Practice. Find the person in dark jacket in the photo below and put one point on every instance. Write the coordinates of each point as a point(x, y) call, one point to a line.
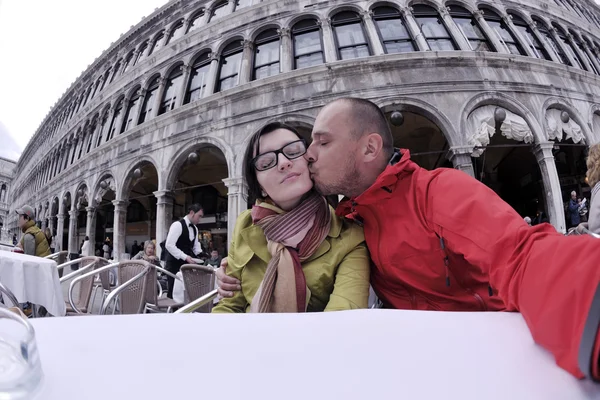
point(573, 210)
point(441, 240)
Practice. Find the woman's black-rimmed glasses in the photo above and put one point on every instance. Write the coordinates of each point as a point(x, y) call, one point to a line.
point(291, 151)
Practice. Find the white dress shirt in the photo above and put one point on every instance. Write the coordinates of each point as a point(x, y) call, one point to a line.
point(173, 236)
point(85, 248)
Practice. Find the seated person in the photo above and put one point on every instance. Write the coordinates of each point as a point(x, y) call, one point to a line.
point(148, 254)
point(291, 253)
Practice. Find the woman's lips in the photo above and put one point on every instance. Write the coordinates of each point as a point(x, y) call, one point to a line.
point(292, 176)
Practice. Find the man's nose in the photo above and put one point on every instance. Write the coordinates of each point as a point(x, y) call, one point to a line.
point(283, 162)
point(310, 154)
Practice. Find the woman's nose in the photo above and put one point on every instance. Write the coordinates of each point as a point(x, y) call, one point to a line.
point(283, 162)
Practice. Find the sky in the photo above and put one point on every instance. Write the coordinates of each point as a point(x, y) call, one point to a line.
point(44, 46)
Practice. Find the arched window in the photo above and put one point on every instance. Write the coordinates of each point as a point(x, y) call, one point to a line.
point(219, 10)
point(96, 87)
point(176, 32)
point(128, 63)
point(433, 28)
point(113, 123)
point(146, 112)
point(3, 193)
point(350, 35)
point(103, 121)
point(91, 134)
point(577, 41)
point(470, 29)
point(532, 41)
point(157, 43)
point(569, 46)
point(266, 54)
point(128, 120)
point(141, 53)
point(195, 21)
point(88, 94)
point(543, 30)
point(198, 79)
point(116, 71)
point(593, 48)
point(229, 67)
point(392, 30)
point(106, 75)
point(308, 49)
point(172, 89)
point(506, 37)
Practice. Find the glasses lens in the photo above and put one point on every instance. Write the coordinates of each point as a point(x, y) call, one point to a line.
point(294, 149)
point(265, 161)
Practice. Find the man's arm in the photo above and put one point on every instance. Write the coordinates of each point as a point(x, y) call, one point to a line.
point(550, 278)
point(29, 244)
point(171, 243)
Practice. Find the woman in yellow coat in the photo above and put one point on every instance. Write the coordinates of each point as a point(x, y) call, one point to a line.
point(291, 252)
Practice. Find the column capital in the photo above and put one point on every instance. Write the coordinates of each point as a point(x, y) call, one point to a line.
point(214, 56)
point(543, 150)
point(325, 22)
point(248, 44)
point(478, 14)
point(120, 205)
point(90, 210)
point(164, 196)
point(235, 185)
point(444, 11)
point(73, 213)
point(185, 69)
point(406, 10)
point(284, 32)
point(366, 14)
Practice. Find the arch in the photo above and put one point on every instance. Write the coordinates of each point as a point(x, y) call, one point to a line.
point(133, 91)
point(173, 25)
point(180, 158)
point(371, 5)
point(562, 104)
point(97, 189)
point(199, 54)
point(127, 178)
point(594, 116)
point(257, 31)
point(227, 42)
point(422, 108)
point(505, 101)
point(54, 204)
point(170, 69)
point(521, 14)
point(467, 6)
point(61, 203)
point(299, 17)
point(345, 7)
point(84, 187)
point(493, 7)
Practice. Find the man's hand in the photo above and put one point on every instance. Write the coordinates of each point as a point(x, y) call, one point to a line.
point(190, 260)
point(226, 284)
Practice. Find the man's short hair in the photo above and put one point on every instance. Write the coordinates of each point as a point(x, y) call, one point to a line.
point(195, 208)
point(368, 118)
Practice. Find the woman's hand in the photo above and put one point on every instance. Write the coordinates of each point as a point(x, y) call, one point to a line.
point(226, 284)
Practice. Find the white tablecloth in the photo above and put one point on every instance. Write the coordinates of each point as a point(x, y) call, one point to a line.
point(33, 279)
point(363, 354)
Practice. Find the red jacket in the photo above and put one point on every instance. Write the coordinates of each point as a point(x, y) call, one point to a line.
point(441, 240)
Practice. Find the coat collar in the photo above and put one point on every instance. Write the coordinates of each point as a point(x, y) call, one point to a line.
point(257, 241)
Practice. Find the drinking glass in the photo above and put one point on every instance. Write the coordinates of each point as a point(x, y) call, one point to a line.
point(20, 368)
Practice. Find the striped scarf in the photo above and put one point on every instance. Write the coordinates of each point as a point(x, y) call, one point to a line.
point(292, 237)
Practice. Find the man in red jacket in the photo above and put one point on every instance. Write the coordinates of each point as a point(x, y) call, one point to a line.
point(441, 240)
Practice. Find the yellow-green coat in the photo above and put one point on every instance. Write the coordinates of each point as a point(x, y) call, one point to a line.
point(337, 274)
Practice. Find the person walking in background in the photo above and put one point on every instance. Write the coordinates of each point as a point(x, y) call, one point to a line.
point(573, 210)
point(182, 243)
point(106, 249)
point(85, 247)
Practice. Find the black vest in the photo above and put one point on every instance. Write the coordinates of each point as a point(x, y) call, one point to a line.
point(184, 244)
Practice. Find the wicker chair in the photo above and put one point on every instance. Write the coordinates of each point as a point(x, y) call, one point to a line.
point(81, 303)
point(102, 281)
point(60, 258)
point(154, 302)
point(198, 280)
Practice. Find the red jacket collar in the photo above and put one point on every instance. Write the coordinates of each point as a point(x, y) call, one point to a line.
point(382, 187)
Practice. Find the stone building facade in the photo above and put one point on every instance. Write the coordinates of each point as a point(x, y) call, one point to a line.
point(7, 168)
point(507, 91)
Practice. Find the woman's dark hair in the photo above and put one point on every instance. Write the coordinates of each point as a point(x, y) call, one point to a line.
point(87, 238)
point(253, 149)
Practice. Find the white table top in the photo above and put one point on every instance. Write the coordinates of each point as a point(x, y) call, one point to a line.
point(364, 354)
point(33, 279)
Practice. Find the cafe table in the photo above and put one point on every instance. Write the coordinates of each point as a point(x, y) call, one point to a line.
point(33, 279)
point(360, 354)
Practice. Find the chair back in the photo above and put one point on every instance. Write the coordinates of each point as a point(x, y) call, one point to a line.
point(152, 286)
point(60, 258)
point(86, 285)
point(132, 298)
point(198, 280)
point(5, 294)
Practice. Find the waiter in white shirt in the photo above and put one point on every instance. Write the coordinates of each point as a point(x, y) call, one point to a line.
point(182, 243)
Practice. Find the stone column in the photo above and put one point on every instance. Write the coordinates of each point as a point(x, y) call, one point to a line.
point(164, 216)
point(592, 57)
point(286, 52)
point(579, 53)
point(329, 48)
point(556, 214)
point(562, 46)
point(142, 93)
point(73, 246)
point(231, 6)
point(524, 44)
point(60, 228)
point(245, 74)
point(51, 225)
point(236, 202)
point(489, 32)
point(461, 159)
point(459, 38)
point(185, 69)
point(413, 28)
point(90, 229)
point(120, 216)
point(544, 41)
point(211, 80)
point(372, 35)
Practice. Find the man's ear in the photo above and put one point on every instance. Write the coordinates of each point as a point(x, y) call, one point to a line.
point(372, 146)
